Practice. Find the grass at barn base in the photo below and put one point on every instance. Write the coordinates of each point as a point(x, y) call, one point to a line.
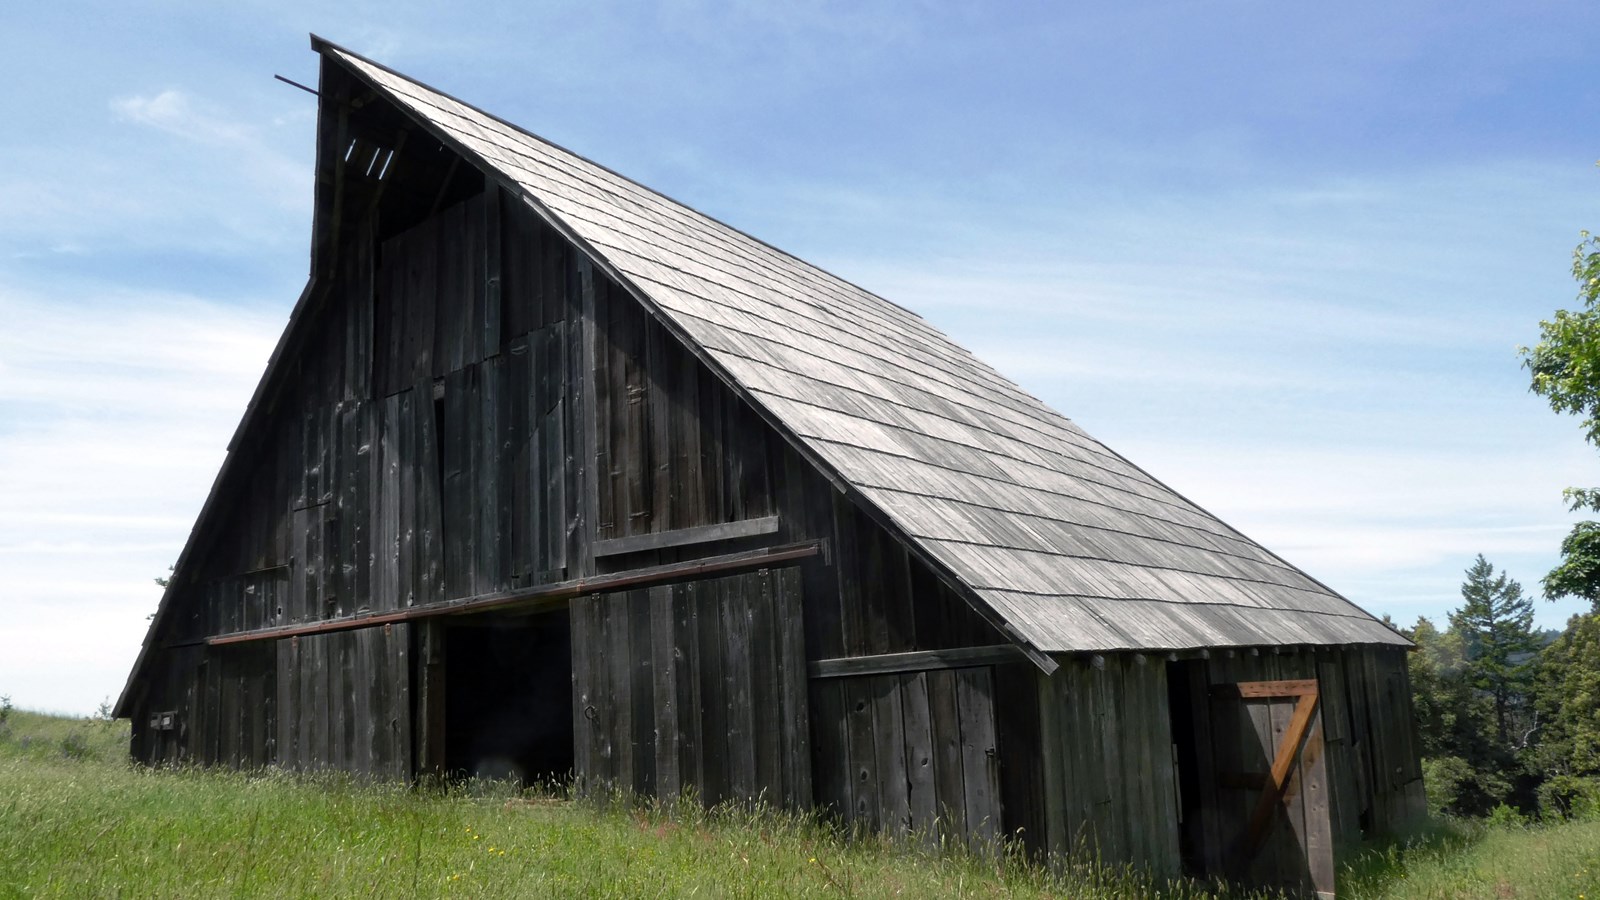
point(76, 821)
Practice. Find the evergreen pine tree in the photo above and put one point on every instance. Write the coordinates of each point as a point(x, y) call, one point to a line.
point(1496, 625)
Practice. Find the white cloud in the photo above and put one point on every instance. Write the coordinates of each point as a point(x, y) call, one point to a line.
point(114, 416)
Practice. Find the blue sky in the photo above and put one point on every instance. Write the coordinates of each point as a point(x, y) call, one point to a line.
point(1279, 257)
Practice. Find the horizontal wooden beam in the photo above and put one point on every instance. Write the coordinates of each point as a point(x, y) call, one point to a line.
point(917, 661)
point(540, 595)
point(1300, 687)
point(681, 537)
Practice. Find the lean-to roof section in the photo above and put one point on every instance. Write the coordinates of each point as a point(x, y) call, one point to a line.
point(1073, 546)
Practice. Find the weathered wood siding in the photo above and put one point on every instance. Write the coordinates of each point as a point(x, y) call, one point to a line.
point(696, 687)
point(417, 450)
point(1372, 742)
point(345, 702)
point(1110, 787)
point(474, 406)
point(913, 752)
point(1110, 763)
point(224, 706)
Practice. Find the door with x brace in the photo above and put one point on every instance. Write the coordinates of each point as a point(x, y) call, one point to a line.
point(1273, 828)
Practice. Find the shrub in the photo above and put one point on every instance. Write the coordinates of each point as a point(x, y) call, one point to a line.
point(1570, 797)
point(1504, 816)
point(1455, 788)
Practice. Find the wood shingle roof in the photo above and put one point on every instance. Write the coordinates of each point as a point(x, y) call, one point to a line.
point(1075, 548)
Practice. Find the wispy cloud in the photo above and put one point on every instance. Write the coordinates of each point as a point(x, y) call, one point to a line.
point(242, 147)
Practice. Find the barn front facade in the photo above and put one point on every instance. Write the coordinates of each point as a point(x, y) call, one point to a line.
point(551, 476)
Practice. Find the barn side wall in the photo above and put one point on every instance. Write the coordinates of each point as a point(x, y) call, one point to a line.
point(1112, 777)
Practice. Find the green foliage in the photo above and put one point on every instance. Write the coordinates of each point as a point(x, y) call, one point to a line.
point(1578, 573)
point(1569, 700)
point(45, 738)
point(1565, 369)
point(1452, 718)
point(1504, 816)
point(1495, 623)
point(1456, 787)
point(1471, 694)
point(1570, 797)
point(1565, 364)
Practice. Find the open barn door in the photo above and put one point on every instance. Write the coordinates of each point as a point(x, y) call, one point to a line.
point(1271, 827)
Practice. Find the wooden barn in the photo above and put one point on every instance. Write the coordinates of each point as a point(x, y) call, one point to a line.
point(550, 475)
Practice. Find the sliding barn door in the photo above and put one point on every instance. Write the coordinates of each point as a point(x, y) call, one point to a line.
point(696, 687)
point(911, 752)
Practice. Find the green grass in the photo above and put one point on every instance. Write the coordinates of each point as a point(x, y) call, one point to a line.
point(83, 823)
point(77, 821)
point(1473, 859)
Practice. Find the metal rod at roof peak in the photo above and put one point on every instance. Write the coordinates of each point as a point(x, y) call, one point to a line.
point(312, 91)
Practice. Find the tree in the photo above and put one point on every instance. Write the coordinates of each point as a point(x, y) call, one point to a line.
point(1565, 370)
point(1465, 771)
point(1569, 699)
point(1578, 573)
point(1496, 627)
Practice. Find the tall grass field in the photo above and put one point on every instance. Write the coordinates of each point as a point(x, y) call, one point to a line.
point(76, 820)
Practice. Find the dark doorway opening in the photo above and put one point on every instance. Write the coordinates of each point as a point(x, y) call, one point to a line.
point(1187, 699)
point(508, 698)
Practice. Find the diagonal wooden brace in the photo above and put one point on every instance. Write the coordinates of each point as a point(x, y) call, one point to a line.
point(1283, 761)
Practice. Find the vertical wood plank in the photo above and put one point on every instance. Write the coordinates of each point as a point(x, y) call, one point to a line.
point(431, 691)
point(429, 539)
point(587, 471)
point(666, 663)
point(889, 739)
point(1318, 832)
point(734, 596)
point(949, 780)
point(583, 729)
point(974, 698)
point(289, 710)
point(491, 234)
point(764, 661)
point(686, 654)
point(642, 691)
point(830, 748)
point(922, 800)
point(365, 700)
point(794, 730)
point(861, 751)
point(714, 705)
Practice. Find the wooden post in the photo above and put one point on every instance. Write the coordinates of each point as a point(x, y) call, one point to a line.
point(430, 725)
